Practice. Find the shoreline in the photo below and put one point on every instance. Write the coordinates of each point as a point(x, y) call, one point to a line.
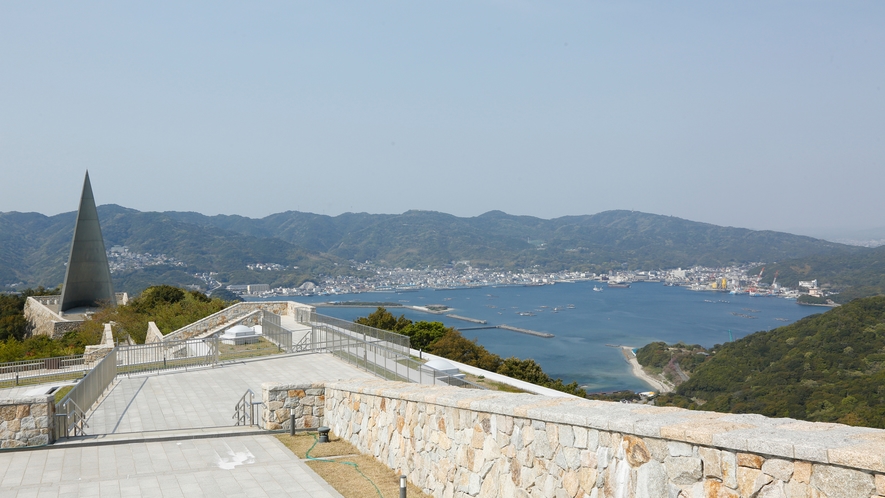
point(640, 374)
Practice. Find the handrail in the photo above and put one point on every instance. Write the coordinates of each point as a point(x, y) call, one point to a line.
point(78, 425)
point(304, 344)
point(85, 393)
point(245, 411)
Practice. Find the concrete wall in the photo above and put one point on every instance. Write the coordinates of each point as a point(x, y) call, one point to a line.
point(26, 421)
point(153, 334)
point(458, 442)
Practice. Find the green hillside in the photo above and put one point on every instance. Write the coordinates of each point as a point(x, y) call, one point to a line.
point(593, 242)
point(35, 247)
point(853, 274)
point(824, 368)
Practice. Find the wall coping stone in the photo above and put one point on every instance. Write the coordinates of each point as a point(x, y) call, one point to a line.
point(278, 386)
point(837, 444)
point(29, 400)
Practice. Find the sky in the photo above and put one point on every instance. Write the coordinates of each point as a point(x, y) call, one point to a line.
point(758, 114)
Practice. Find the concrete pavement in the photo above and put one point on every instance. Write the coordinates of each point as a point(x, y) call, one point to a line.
point(246, 466)
point(146, 428)
point(205, 397)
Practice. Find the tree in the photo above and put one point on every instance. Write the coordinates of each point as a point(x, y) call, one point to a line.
point(384, 320)
point(422, 334)
point(527, 370)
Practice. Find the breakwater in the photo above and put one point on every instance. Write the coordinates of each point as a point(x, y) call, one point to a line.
point(511, 328)
point(545, 335)
point(467, 319)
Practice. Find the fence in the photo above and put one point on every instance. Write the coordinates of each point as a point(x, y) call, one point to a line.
point(57, 368)
point(384, 362)
point(274, 332)
point(156, 356)
point(70, 412)
point(394, 341)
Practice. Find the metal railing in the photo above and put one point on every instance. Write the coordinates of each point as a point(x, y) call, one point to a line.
point(375, 357)
point(244, 411)
point(394, 341)
point(57, 368)
point(71, 410)
point(274, 332)
point(157, 356)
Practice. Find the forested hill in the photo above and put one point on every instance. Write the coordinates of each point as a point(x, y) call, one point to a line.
point(592, 242)
point(34, 247)
point(824, 368)
point(855, 273)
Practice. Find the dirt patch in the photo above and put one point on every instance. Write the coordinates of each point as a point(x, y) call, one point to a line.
point(344, 470)
point(494, 386)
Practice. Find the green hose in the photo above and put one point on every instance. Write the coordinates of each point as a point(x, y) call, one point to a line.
point(352, 464)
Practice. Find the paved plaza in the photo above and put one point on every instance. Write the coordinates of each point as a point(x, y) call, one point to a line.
point(141, 439)
point(245, 466)
point(205, 397)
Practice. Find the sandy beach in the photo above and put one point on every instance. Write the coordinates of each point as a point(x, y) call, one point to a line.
point(639, 373)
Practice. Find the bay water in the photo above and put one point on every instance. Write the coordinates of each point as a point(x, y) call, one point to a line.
point(586, 324)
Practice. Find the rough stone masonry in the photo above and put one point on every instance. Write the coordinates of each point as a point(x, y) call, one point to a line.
point(26, 421)
point(465, 443)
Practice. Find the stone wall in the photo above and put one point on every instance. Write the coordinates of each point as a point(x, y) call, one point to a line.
point(26, 421)
point(43, 320)
point(305, 401)
point(232, 314)
point(458, 442)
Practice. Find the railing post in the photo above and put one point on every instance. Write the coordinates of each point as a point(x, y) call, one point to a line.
point(251, 410)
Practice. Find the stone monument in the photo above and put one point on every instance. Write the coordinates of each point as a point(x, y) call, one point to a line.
point(88, 276)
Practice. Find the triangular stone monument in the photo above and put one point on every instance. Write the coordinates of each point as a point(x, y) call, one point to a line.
point(88, 276)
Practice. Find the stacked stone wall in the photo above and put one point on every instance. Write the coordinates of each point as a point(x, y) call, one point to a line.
point(43, 320)
point(457, 443)
point(26, 421)
point(305, 401)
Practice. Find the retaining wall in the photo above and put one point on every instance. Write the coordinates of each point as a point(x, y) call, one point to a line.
point(458, 442)
point(43, 320)
point(305, 401)
point(26, 421)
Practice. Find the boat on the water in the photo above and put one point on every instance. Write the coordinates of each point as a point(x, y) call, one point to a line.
point(597, 289)
point(619, 285)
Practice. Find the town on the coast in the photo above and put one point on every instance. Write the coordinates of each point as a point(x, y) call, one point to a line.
point(461, 275)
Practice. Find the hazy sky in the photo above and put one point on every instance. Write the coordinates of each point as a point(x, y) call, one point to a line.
point(767, 115)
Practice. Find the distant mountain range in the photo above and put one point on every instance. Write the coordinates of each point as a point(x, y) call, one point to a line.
point(34, 247)
point(611, 238)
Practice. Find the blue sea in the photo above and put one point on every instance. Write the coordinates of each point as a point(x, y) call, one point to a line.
point(584, 322)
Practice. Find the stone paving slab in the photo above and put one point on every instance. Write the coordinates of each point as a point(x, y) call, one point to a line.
point(205, 397)
point(245, 466)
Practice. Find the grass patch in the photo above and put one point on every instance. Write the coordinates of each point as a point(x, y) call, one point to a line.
point(62, 392)
point(345, 478)
point(235, 352)
point(492, 385)
point(42, 379)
